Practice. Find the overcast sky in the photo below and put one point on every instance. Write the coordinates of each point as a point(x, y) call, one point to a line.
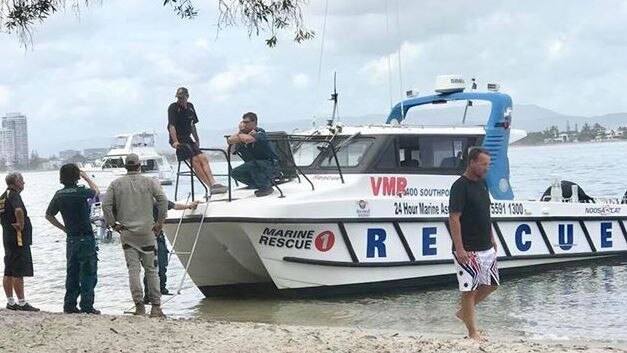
point(116, 67)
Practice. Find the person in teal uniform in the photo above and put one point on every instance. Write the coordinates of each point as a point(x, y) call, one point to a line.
point(72, 201)
point(260, 159)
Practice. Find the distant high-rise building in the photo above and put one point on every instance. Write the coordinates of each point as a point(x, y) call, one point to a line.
point(7, 146)
point(17, 123)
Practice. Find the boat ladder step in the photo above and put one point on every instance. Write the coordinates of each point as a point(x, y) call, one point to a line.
point(192, 250)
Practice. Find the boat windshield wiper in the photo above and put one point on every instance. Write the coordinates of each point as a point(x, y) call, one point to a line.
point(308, 138)
point(345, 142)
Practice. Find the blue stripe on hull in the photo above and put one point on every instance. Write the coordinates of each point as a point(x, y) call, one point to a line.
point(402, 243)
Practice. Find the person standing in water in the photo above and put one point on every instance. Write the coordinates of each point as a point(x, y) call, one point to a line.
point(474, 246)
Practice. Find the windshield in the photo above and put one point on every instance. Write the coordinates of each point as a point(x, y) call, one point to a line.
point(349, 154)
point(120, 142)
point(149, 165)
point(143, 140)
point(349, 151)
point(113, 163)
point(306, 152)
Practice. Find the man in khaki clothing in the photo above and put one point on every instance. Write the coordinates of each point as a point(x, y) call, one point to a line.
point(127, 209)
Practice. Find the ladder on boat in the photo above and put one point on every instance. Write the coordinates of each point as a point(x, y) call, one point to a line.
point(191, 252)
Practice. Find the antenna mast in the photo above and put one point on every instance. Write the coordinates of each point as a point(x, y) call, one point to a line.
point(469, 102)
point(333, 98)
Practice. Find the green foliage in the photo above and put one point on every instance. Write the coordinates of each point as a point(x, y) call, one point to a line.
point(26, 12)
point(553, 131)
point(268, 16)
point(258, 16)
point(587, 133)
point(35, 161)
point(20, 16)
point(183, 8)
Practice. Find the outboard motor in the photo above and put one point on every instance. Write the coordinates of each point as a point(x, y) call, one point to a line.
point(103, 232)
point(567, 193)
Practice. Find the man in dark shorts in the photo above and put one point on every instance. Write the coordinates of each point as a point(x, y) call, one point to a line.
point(17, 235)
point(182, 121)
point(80, 251)
point(474, 246)
point(260, 160)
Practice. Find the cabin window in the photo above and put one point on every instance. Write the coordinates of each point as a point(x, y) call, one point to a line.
point(349, 154)
point(142, 140)
point(441, 152)
point(113, 163)
point(306, 152)
point(149, 165)
point(147, 140)
point(416, 153)
point(390, 157)
point(120, 142)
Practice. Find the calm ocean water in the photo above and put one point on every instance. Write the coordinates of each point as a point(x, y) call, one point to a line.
point(584, 302)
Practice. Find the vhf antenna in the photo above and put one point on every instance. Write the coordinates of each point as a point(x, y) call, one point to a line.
point(333, 98)
point(469, 102)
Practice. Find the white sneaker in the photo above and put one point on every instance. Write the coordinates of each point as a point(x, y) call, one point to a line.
point(218, 189)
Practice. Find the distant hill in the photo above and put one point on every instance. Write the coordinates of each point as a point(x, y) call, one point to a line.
point(528, 117)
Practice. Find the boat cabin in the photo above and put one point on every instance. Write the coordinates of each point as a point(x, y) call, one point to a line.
point(388, 149)
point(142, 144)
point(147, 164)
point(398, 148)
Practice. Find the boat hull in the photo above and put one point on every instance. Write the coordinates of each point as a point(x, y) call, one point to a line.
point(103, 177)
point(212, 268)
point(326, 256)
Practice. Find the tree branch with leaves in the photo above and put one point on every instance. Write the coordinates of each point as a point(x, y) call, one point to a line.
point(265, 16)
point(258, 16)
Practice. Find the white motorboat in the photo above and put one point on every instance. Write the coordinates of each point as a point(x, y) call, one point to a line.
point(153, 164)
point(366, 207)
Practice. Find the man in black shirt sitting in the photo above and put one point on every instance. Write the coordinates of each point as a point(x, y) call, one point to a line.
point(182, 121)
point(474, 246)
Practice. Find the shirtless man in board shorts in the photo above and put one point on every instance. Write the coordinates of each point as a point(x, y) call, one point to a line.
point(474, 247)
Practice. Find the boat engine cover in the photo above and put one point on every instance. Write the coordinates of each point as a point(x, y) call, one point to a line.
point(567, 192)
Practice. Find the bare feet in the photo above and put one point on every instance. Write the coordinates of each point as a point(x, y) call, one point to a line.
point(458, 315)
point(477, 337)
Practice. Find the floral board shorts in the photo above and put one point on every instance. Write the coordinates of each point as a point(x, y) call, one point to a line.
point(481, 269)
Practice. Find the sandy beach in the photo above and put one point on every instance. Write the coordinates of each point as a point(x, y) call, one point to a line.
point(55, 332)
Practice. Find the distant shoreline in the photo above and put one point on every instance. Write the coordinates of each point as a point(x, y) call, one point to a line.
point(516, 144)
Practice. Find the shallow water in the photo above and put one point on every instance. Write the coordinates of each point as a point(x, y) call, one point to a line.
point(584, 301)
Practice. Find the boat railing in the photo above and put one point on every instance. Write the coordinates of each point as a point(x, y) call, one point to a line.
point(300, 138)
point(610, 200)
point(190, 172)
point(288, 169)
point(599, 200)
